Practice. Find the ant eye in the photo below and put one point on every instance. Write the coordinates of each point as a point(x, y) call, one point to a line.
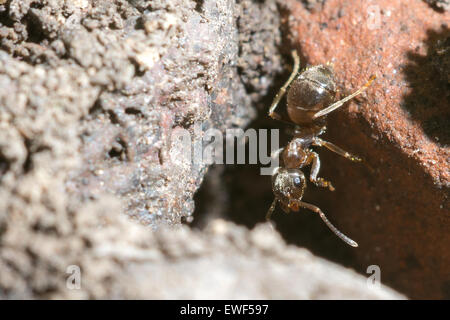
point(297, 182)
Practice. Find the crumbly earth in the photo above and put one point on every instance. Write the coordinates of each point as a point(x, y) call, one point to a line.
point(121, 259)
point(122, 77)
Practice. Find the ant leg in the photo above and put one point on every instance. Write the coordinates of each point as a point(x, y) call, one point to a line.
point(315, 209)
point(282, 91)
point(332, 147)
point(339, 103)
point(274, 155)
point(314, 157)
point(271, 209)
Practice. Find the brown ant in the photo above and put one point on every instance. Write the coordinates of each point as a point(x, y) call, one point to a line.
point(310, 97)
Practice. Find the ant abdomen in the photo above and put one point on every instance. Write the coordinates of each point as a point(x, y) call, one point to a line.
point(313, 90)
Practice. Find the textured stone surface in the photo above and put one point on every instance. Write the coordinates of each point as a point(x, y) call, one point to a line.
point(407, 102)
point(124, 260)
point(397, 206)
point(90, 92)
point(123, 76)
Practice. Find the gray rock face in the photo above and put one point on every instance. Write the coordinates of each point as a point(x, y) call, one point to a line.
point(122, 76)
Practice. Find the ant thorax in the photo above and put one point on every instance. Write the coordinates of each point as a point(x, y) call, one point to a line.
point(295, 154)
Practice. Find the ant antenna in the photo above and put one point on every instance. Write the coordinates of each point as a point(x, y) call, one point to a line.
point(271, 209)
point(339, 103)
point(343, 237)
point(322, 215)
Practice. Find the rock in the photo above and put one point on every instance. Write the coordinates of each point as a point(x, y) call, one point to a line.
point(123, 76)
point(396, 205)
point(123, 260)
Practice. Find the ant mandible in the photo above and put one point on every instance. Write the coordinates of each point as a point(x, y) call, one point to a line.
point(310, 97)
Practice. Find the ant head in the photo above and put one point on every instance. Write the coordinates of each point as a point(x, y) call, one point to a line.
point(288, 184)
